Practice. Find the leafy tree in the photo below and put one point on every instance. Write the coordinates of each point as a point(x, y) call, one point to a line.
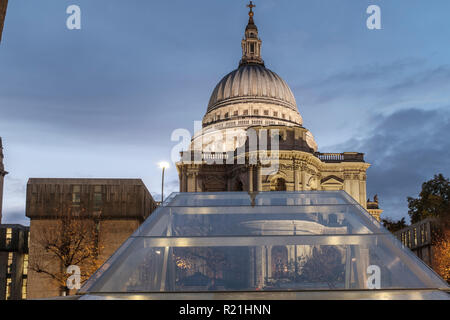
point(394, 226)
point(441, 256)
point(433, 201)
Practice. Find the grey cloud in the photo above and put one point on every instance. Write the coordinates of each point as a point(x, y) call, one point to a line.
point(14, 185)
point(378, 84)
point(368, 72)
point(405, 149)
point(16, 217)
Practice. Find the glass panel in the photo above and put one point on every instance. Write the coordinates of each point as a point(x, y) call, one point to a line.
point(238, 213)
point(264, 263)
point(236, 241)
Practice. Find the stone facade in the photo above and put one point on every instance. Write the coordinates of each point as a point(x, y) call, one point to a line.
point(374, 208)
point(248, 103)
point(3, 173)
point(3, 6)
point(299, 168)
point(116, 206)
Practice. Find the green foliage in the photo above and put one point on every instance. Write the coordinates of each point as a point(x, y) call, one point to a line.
point(433, 201)
point(394, 226)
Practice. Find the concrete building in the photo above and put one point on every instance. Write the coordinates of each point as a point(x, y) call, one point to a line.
point(116, 207)
point(253, 106)
point(13, 261)
point(3, 173)
point(3, 6)
point(420, 238)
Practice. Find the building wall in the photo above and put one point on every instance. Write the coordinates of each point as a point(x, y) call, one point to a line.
point(300, 168)
point(419, 237)
point(13, 261)
point(124, 205)
point(40, 285)
point(3, 173)
point(113, 233)
point(1, 195)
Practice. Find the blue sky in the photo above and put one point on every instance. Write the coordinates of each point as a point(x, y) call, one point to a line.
point(103, 101)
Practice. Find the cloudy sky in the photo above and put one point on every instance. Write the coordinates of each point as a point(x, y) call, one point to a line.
point(103, 101)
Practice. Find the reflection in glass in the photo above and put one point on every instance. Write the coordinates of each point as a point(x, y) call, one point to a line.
point(274, 241)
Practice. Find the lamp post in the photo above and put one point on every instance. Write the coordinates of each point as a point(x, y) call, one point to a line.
point(163, 165)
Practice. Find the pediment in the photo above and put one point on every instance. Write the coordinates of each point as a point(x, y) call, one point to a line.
point(332, 180)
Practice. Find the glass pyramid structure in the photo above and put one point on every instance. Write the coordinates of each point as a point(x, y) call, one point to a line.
point(244, 245)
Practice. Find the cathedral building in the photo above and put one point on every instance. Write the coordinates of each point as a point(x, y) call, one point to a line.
point(253, 106)
point(3, 5)
point(3, 173)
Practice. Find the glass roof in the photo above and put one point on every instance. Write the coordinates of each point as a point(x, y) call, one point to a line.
point(267, 241)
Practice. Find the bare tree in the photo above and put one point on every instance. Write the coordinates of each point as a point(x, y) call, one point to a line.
point(72, 240)
point(325, 265)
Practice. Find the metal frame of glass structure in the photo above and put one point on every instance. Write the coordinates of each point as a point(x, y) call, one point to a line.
point(266, 245)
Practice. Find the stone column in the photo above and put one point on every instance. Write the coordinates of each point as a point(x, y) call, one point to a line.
point(195, 175)
point(250, 178)
point(182, 180)
point(269, 261)
point(190, 182)
point(3, 5)
point(259, 178)
point(2, 176)
point(296, 182)
point(303, 180)
point(261, 266)
point(362, 193)
point(3, 173)
point(199, 184)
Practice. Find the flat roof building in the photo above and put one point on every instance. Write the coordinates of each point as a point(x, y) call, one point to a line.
point(13, 261)
point(112, 208)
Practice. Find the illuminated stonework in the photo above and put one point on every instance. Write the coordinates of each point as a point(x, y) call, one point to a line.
point(3, 6)
point(254, 98)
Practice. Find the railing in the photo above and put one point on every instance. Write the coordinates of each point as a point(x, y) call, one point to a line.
point(325, 157)
point(341, 157)
point(214, 156)
point(331, 156)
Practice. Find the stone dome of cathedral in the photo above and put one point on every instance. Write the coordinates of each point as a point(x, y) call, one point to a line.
point(252, 83)
point(252, 94)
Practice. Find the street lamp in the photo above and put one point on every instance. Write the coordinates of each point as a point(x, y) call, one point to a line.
point(163, 165)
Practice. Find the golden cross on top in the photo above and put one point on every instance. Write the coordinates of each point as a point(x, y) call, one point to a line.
point(251, 6)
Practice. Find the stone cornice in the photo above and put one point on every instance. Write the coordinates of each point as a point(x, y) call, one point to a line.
point(297, 156)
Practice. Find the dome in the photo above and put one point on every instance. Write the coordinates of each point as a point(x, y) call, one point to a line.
point(252, 83)
point(250, 96)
